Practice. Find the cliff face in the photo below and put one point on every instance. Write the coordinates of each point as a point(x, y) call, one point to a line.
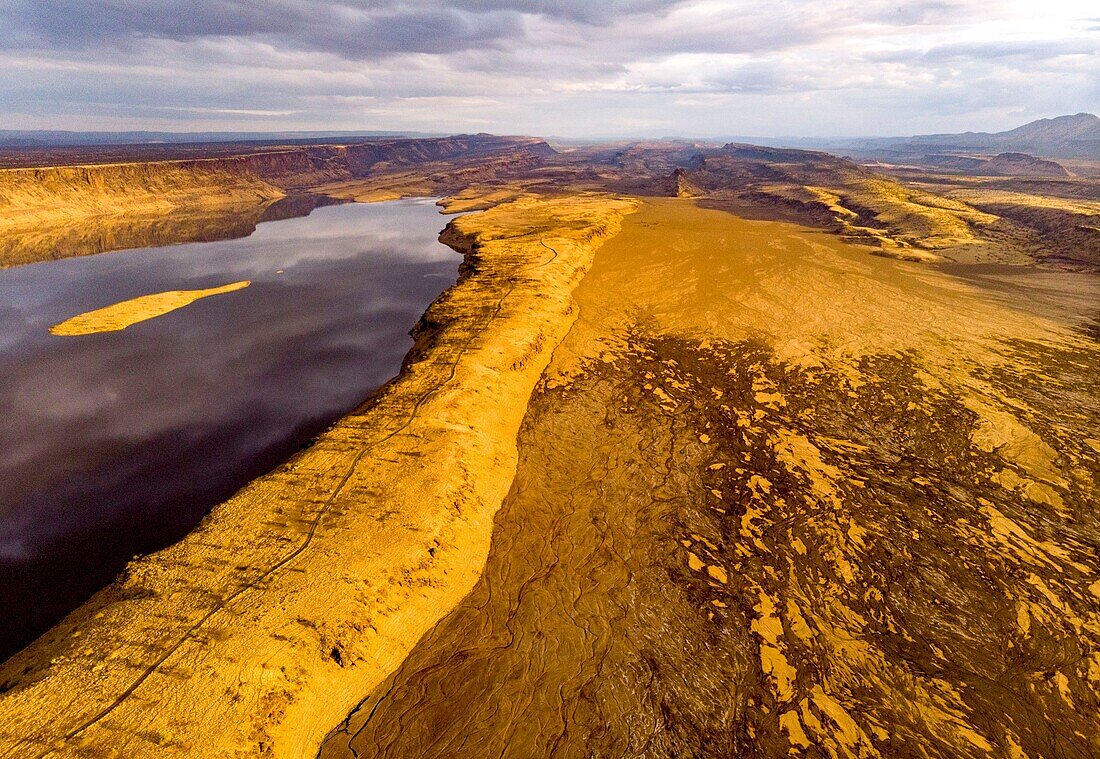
point(59, 201)
point(30, 198)
point(306, 167)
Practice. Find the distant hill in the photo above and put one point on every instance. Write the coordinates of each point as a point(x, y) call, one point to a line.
point(1076, 136)
point(1023, 165)
point(1063, 136)
point(1081, 126)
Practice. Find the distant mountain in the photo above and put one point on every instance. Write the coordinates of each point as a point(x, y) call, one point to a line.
point(21, 138)
point(1081, 126)
point(1076, 136)
point(1063, 136)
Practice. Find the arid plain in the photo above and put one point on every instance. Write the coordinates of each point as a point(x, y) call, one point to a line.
point(712, 450)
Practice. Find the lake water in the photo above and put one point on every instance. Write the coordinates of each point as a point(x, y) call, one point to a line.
point(118, 443)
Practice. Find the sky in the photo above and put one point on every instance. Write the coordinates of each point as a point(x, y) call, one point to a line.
point(567, 68)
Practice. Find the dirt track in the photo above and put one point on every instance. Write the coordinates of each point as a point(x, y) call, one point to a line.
point(260, 629)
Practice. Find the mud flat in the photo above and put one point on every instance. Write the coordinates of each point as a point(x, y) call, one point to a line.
point(265, 626)
point(119, 316)
point(777, 496)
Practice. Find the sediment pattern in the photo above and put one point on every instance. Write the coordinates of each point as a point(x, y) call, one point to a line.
point(263, 627)
point(775, 496)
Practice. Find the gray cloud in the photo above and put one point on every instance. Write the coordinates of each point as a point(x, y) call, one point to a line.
point(921, 12)
point(549, 66)
point(351, 29)
point(365, 30)
point(991, 51)
point(593, 12)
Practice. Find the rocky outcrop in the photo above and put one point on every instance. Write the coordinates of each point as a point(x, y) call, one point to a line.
point(679, 185)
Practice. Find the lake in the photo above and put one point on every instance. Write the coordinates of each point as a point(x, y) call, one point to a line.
point(116, 444)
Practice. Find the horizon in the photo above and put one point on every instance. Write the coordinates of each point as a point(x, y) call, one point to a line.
point(630, 69)
point(247, 135)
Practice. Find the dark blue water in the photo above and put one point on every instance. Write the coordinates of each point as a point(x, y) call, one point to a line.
point(117, 444)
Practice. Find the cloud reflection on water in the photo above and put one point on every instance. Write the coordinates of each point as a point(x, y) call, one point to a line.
point(118, 443)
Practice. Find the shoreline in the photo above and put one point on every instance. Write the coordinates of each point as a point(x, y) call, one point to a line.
point(271, 675)
point(209, 400)
point(58, 211)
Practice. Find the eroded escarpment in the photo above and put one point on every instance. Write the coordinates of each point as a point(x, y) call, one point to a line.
point(58, 211)
point(60, 195)
point(105, 233)
point(777, 496)
point(264, 627)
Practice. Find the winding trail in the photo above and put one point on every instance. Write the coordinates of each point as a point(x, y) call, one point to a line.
point(269, 571)
point(503, 266)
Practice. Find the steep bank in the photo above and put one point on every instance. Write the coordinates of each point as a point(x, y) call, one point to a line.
point(46, 212)
point(778, 497)
point(104, 233)
point(263, 628)
point(33, 198)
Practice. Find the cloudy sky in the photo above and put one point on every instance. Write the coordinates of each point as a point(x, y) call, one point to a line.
point(548, 67)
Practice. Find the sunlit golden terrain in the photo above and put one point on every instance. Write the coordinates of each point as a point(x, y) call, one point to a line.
point(119, 316)
point(711, 451)
point(765, 486)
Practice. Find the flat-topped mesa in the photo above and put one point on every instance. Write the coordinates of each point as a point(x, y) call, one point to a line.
point(736, 164)
point(784, 155)
point(1022, 164)
point(33, 199)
